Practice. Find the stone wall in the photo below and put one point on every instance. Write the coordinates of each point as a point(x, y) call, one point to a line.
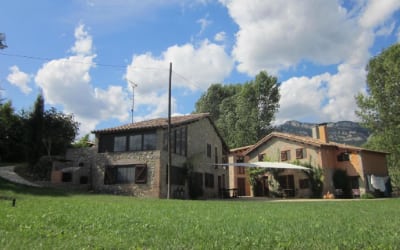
point(87, 160)
point(200, 134)
point(150, 158)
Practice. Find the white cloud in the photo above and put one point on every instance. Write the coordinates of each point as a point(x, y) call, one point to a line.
point(322, 97)
point(398, 35)
point(194, 68)
point(83, 44)
point(377, 12)
point(276, 35)
point(19, 79)
point(204, 22)
point(220, 36)
point(302, 97)
point(67, 82)
point(386, 30)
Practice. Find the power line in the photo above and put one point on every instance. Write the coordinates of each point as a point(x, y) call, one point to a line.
point(47, 59)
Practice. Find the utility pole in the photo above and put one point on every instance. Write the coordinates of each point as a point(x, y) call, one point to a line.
point(133, 85)
point(169, 134)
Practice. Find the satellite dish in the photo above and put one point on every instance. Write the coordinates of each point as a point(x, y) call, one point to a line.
point(3, 44)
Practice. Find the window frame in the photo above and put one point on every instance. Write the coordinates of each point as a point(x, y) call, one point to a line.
point(123, 138)
point(344, 156)
point(140, 137)
point(216, 155)
point(299, 153)
point(285, 155)
point(149, 147)
point(208, 150)
point(139, 174)
point(209, 180)
point(179, 141)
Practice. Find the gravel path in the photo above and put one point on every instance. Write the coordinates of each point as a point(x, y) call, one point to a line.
point(9, 174)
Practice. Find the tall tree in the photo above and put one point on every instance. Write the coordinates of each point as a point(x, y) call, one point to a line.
point(34, 132)
point(48, 132)
point(379, 110)
point(242, 112)
point(11, 134)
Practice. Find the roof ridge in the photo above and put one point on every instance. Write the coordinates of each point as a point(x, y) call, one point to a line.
point(154, 123)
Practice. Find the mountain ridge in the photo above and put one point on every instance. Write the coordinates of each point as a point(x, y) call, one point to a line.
point(345, 132)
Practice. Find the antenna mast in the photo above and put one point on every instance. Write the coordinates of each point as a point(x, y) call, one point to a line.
point(133, 85)
point(3, 44)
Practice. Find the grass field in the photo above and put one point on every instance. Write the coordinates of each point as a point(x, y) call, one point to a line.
point(47, 219)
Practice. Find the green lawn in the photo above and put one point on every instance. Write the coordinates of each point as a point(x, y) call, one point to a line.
point(44, 219)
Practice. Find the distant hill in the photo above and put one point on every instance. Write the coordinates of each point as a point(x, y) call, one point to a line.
point(345, 132)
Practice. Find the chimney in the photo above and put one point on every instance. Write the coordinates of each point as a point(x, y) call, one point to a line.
point(323, 132)
point(314, 132)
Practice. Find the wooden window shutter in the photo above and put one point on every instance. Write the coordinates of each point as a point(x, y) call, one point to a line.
point(141, 174)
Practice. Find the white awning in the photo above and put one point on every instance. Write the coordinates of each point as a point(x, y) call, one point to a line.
point(264, 164)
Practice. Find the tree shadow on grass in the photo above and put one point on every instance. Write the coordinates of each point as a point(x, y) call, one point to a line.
point(11, 189)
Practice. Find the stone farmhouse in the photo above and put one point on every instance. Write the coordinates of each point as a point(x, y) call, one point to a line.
point(132, 159)
point(366, 170)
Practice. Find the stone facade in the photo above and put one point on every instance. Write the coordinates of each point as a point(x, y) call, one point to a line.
point(201, 136)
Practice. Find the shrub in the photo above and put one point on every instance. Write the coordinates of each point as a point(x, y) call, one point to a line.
point(367, 196)
point(42, 169)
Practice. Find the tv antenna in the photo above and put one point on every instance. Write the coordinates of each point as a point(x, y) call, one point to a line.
point(133, 86)
point(3, 44)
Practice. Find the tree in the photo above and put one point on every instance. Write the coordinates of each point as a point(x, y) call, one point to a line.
point(84, 142)
point(47, 133)
point(11, 133)
point(34, 132)
point(242, 112)
point(379, 110)
point(60, 131)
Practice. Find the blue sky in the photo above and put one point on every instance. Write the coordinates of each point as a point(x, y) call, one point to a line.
point(81, 54)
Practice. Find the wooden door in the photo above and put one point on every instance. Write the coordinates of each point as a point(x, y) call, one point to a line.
point(241, 185)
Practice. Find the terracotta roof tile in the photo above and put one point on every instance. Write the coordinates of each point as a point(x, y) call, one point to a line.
point(240, 149)
point(307, 140)
point(154, 123)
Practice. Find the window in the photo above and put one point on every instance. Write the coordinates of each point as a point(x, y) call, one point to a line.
point(196, 180)
point(209, 150)
point(178, 141)
point(125, 174)
point(66, 177)
point(178, 146)
point(149, 141)
point(216, 154)
point(299, 153)
point(343, 157)
point(178, 175)
point(119, 143)
point(135, 143)
point(285, 155)
point(209, 180)
point(106, 143)
point(304, 183)
point(261, 157)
